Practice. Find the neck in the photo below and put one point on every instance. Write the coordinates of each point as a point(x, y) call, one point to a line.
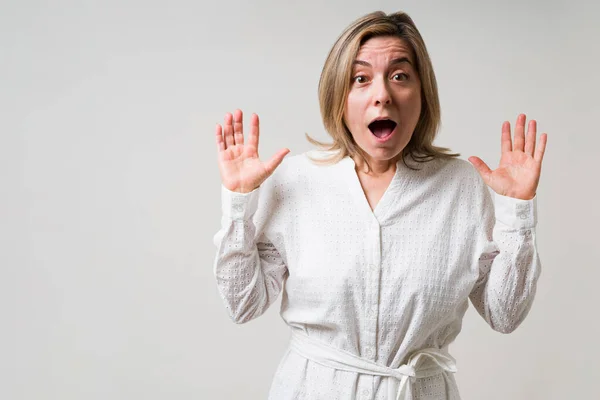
point(378, 167)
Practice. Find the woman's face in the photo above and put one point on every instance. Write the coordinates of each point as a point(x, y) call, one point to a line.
point(384, 85)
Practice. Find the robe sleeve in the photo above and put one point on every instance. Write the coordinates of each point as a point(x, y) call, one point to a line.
point(249, 270)
point(508, 260)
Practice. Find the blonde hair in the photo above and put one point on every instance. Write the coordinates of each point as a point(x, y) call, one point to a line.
point(335, 81)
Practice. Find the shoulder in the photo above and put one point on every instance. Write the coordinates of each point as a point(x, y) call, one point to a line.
point(471, 186)
point(289, 167)
point(319, 159)
point(456, 178)
point(287, 187)
point(458, 171)
point(291, 172)
point(303, 164)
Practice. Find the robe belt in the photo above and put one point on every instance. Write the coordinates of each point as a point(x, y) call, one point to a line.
point(421, 364)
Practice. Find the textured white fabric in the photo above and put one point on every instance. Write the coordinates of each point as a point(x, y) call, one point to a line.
point(383, 284)
point(421, 364)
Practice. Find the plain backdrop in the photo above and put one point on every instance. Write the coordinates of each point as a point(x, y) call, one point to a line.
point(110, 191)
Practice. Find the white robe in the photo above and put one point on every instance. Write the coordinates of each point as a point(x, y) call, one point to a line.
point(379, 284)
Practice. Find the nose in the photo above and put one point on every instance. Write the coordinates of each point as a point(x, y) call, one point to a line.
point(381, 93)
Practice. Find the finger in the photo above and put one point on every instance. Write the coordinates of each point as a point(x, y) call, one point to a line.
point(530, 140)
point(219, 138)
point(541, 148)
point(506, 141)
point(481, 167)
point(254, 132)
point(276, 160)
point(519, 141)
point(238, 127)
point(228, 131)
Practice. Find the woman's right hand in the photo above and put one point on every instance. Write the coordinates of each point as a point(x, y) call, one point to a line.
point(239, 165)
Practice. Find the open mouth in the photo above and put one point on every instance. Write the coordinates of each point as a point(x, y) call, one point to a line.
point(382, 128)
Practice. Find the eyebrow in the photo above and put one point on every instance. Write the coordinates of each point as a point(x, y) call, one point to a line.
point(394, 62)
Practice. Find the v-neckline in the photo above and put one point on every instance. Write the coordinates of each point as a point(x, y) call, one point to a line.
point(398, 181)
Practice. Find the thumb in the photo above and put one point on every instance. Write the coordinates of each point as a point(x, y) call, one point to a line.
point(276, 160)
point(481, 167)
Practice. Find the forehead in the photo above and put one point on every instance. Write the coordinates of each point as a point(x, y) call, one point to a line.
point(384, 46)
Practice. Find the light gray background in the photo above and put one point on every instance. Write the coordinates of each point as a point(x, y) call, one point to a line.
point(110, 191)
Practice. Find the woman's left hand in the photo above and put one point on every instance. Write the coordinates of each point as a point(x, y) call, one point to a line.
point(520, 164)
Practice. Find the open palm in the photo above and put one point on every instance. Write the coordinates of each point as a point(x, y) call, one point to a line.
point(240, 167)
point(520, 167)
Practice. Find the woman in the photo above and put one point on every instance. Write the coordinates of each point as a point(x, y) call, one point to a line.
point(378, 242)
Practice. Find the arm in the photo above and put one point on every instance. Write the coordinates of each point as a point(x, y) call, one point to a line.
point(508, 260)
point(509, 265)
point(248, 268)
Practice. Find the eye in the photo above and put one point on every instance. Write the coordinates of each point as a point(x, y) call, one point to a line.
point(354, 80)
point(402, 74)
